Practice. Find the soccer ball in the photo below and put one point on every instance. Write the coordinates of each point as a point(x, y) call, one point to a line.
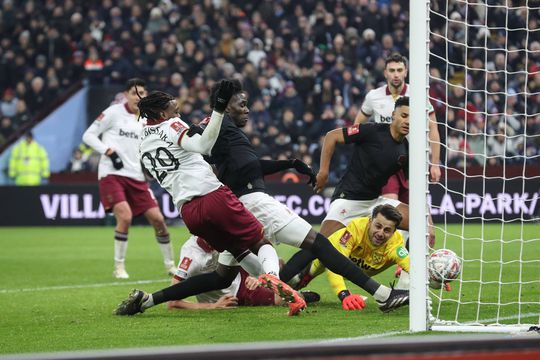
point(443, 266)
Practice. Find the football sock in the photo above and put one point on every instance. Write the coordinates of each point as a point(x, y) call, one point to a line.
point(404, 279)
point(269, 259)
point(192, 286)
point(250, 262)
point(165, 246)
point(120, 246)
point(336, 262)
point(296, 264)
point(382, 293)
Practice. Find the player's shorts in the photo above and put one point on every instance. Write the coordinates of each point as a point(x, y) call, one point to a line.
point(399, 185)
point(281, 224)
point(261, 296)
point(345, 211)
point(114, 189)
point(223, 221)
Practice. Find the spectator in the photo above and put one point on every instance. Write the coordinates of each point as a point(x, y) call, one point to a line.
point(78, 162)
point(8, 104)
point(29, 163)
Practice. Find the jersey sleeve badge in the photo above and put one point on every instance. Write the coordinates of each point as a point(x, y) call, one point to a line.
point(178, 126)
point(186, 262)
point(345, 238)
point(353, 130)
point(100, 117)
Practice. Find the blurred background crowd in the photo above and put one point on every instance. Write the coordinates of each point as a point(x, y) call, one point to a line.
point(307, 66)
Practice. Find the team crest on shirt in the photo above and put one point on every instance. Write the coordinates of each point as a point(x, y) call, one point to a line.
point(186, 262)
point(378, 257)
point(177, 126)
point(345, 238)
point(353, 130)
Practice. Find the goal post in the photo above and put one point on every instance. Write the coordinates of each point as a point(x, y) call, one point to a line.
point(485, 62)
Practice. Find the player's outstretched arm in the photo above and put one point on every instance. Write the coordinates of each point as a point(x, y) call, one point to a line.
point(329, 146)
point(435, 145)
point(360, 117)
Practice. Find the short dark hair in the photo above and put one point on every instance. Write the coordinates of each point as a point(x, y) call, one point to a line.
point(396, 57)
point(237, 88)
point(389, 212)
point(150, 106)
point(134, 82)
point(401, 101)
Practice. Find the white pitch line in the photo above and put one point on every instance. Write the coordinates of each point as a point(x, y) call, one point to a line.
point(512, 317)
point(85, 286)
point(371, 336)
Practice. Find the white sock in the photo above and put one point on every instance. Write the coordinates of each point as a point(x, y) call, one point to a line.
point(403, 282)
point(251, 264)
point(166, 250)
point(269, 259)
point(120, 250)
point(382, 293)
point(149, 302)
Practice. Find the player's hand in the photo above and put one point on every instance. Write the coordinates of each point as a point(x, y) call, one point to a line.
point(223, 95)
point(226, 301)
point(305, 169)
point(435, 173)
point(431, 236)
point(194, 129)
point(351, 301)
point(117, 162)
point(322, 179)
point(251, 283)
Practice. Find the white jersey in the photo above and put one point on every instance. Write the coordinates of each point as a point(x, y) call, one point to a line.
point(379, 102)
point(120, 131)
point(184, 174)
point(194, 260)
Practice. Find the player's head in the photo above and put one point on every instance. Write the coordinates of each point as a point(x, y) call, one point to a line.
point(237, 107)
point(395, 70)
point(158, 106)
point(400, 116)
point(383, 223)
point(135, 90)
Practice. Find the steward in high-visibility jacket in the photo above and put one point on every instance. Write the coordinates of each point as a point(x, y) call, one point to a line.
point(29, 163)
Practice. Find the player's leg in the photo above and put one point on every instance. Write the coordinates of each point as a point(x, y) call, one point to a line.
point(142, 201)
point(123, 216)
point(138, 301)
point(156, 219)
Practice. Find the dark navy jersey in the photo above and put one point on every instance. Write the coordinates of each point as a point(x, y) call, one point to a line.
point(235, 158)
point(375, 157)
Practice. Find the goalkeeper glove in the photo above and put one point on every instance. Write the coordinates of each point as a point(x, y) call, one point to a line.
point(351, 301)
point(305, 169)
point(223, 95)
point(117, 162)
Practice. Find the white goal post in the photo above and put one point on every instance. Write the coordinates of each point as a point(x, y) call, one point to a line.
point(484, 57)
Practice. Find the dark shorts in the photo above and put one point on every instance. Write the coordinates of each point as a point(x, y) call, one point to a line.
point(114, 189)
point(223, 221)
point(261, 296)
point(399, 185)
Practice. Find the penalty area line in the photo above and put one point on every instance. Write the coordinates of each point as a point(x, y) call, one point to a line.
point(83, 286)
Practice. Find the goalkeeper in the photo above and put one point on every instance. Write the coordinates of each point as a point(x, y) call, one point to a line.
point(372, 243)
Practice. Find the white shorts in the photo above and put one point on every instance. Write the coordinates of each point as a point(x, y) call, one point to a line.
point(281, 224)
point(345, 211)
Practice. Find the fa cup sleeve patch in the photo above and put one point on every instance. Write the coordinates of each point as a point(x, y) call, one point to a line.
point(353, 130)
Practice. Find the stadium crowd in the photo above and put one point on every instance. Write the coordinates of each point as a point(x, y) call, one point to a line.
point(307, 65)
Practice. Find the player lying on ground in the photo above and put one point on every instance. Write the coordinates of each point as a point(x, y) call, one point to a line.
point(198, 257)
point(240, 168)
point(372, 243)
point(208, 208)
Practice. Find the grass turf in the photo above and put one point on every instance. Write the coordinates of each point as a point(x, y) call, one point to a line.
point(57, 294)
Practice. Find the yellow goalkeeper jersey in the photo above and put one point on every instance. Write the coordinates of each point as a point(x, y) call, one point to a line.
point(353, 242)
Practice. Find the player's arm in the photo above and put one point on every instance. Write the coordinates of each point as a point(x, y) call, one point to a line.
point(435, 145)
point(344, 243)
point(361, 117)
point(225, 301)
point(91, 137)
point(331, 139)
point(204, 143)
point(273, 166)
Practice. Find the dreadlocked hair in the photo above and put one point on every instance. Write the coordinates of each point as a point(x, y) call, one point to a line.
point(237, 88)
point(150, 106)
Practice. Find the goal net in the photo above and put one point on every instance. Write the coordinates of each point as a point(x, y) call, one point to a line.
point(484, 82)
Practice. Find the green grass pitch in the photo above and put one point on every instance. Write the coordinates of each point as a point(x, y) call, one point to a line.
point(57, 293)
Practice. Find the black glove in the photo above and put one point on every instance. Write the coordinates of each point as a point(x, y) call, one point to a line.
point(116, 161)
point(223, 95)
point(304, 168)
point(195, 129)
